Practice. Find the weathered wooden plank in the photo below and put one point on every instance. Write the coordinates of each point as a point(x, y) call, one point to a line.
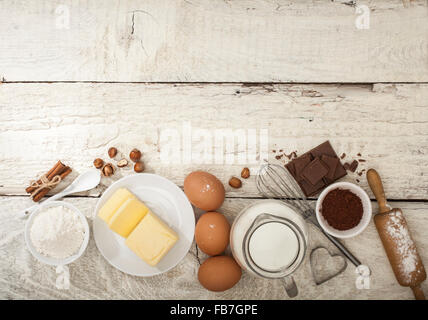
point(386, 124)
point(22, 277)
point(213, 41)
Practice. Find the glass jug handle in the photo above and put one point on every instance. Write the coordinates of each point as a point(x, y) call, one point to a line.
point(290, 286)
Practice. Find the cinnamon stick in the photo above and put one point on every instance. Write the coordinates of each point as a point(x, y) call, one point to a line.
point(50, 174)
point(57, 171)
point(65, 172)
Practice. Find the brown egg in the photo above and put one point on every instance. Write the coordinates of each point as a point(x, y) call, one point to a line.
point(219, 273)
point(204, 190)
point(212, 233)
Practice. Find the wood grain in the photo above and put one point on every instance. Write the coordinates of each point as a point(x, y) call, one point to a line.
point(22, 277)
point(76, 123)
point(213, 41)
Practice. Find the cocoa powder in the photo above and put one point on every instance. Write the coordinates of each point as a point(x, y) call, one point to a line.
point(342, 209)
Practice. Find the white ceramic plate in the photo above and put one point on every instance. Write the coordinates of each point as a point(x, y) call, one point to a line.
point(164, 199)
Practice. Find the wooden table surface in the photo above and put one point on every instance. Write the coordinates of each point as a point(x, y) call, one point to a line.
point(79, 77)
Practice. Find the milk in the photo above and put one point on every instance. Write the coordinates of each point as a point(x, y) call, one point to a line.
point(273, 246)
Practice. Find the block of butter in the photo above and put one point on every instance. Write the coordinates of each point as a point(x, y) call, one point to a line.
point(113, 203)
point(151, 239)
point(127, 216)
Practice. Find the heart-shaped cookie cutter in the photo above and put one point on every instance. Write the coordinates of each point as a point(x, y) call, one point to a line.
point(341, 270)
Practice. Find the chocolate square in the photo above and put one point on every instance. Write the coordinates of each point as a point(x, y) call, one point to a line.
point(290, 167)
point(340, 171)
point(310, 189)
point(301, 163)
point(315, 171)
point(331, 163)
point(324, 148)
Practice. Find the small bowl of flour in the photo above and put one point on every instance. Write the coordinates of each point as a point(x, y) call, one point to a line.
point(57, 233)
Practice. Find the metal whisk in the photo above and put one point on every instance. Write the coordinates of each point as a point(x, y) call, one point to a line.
point(275, 182)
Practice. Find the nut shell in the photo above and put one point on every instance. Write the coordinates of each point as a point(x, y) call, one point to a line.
point(112, 152)
point(245, 173)
point(235, 182)
point(122, 163)
point(98, 163)
point(135, 155)
point(108, 170)
point(139, 167)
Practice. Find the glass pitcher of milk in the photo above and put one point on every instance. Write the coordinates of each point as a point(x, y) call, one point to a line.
point(269, 239)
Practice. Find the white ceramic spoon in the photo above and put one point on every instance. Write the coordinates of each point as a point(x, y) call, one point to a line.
point(85, 181)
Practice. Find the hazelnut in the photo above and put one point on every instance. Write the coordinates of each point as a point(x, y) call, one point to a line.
point(122, 163)
point(108, 170)
point(245, 173)
point(98, 163)
point(112, 152)
point(135, 155)
point(235, 182)
point(139, 166)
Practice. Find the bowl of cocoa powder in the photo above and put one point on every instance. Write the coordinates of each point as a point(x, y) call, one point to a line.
point(343, 210)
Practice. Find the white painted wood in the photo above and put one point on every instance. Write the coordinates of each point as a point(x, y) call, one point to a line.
point(213, 41)
point(22, 277)
point(41, 123)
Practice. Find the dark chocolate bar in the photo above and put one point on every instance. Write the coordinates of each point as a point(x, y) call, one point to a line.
point(326, 169)
point(331, 163)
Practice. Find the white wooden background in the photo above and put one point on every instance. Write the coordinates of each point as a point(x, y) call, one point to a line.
point(121, 71)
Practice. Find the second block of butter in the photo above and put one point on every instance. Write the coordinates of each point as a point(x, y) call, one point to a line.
point(127, 217)
point(151, 239)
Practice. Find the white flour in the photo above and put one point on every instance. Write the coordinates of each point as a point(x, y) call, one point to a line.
point(405, 244)
point(57, 232)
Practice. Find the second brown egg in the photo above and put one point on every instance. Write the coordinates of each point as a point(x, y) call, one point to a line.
point(212, 233)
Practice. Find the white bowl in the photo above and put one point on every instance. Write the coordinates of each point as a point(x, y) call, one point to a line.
point(367, 210)
point(49, 260)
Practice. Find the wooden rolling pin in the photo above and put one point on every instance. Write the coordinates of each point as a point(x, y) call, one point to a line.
point(397, 241)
